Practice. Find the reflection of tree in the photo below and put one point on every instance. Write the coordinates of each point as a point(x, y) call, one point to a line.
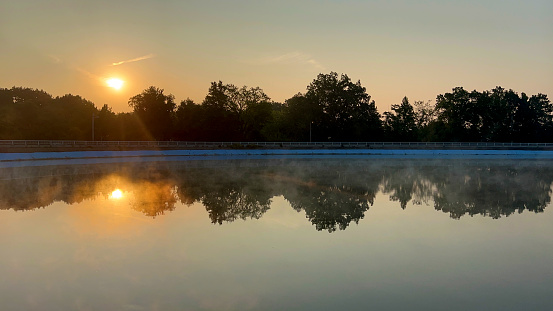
point(32, 193)
point(332, 198)
point(231, 204)
point(20, 194)
point(227, 194)
point(332, 193)
point(408, 183)
point(153, 198)
point(494, 191)
point(490, 189)
point(330, 209)
point(40, 187)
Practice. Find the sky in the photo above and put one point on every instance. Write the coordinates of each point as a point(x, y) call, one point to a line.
point(396, 48)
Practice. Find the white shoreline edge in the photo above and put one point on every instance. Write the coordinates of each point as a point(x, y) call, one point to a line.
point(531, 154)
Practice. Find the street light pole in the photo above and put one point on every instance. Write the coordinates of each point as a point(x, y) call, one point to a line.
point(310, 130)
point(94, 116)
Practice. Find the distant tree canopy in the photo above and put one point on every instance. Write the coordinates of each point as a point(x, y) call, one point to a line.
point(497, 115)
point(333, 108)
point(34, 114)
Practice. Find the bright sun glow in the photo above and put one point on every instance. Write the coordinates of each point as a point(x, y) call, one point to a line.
point(115, 83)
point(116, 194)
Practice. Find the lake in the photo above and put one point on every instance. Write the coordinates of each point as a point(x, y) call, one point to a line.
point(277, 233)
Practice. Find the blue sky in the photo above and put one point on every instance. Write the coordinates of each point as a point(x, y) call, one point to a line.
point(396, 48)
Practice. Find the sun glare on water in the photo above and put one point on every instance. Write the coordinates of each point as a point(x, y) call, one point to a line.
point(116, 194)
point(115, 83)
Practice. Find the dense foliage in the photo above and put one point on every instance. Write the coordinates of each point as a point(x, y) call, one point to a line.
point(334, 108)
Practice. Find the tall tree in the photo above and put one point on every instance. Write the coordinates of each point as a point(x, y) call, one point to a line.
point(345, 110)
point(70, 117)
point(496, 115)
point(22, 115)
point(190, 119)
point(425, 119)
point(105, 125)
point(459, 115)
point(254, 109)
point(300, 119)
point(275, 128)
point(236, 113)
point(154, 110)
point(401, 124)
point(533, 119)
point(222, 121)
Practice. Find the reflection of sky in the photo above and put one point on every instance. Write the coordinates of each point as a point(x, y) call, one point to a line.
point(103, 255)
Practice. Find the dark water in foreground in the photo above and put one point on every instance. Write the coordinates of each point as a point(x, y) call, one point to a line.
point(289, 234)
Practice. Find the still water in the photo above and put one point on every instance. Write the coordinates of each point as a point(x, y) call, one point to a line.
point(278, 234)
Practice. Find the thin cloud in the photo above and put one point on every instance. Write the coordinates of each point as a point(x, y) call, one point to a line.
point(55, 59)
point(293, 57)
point(88, 74)
point(60, 62)
point(316, 64)
point(133, 60)
point(92, 76)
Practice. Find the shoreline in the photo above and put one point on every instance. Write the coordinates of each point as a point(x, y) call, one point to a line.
point(429, 153)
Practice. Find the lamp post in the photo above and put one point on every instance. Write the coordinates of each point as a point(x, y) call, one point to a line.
point(94, 116)
point(310, 130)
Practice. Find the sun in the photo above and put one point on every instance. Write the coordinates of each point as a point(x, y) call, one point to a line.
point(115, 83)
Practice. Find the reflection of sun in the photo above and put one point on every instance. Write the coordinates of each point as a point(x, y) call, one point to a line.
point(116, 194)
point(115, 83)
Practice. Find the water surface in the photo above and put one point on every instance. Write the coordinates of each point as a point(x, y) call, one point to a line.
point(305, 234)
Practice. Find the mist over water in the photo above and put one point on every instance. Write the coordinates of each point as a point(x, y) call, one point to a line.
point(332, 192)
point(306, 234)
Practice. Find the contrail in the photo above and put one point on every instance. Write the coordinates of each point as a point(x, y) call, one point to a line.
point(133, 60)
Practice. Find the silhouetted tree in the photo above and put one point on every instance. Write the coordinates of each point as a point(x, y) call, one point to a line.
point(345, 110)
point(130, 127)
point(498, 115)
point(401, 123)
point(333, 108)
point(457, 113)
point(299, 114)
point(154, 109)
point(190, 120)
point(533, 119)
point(222, 121)
point(22, 115)
point(70, 117)
point(276, 128)
point(236, 113)
point(425, 118)
point(255, 118)
point(34, 114)
point(105, 125)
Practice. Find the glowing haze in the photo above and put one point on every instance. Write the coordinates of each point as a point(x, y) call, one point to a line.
point(115, 83)
point(396, 47)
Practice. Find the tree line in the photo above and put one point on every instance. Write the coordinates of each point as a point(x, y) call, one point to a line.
point(333, 108)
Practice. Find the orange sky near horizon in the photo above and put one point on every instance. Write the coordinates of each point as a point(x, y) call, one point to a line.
point(395, 48)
